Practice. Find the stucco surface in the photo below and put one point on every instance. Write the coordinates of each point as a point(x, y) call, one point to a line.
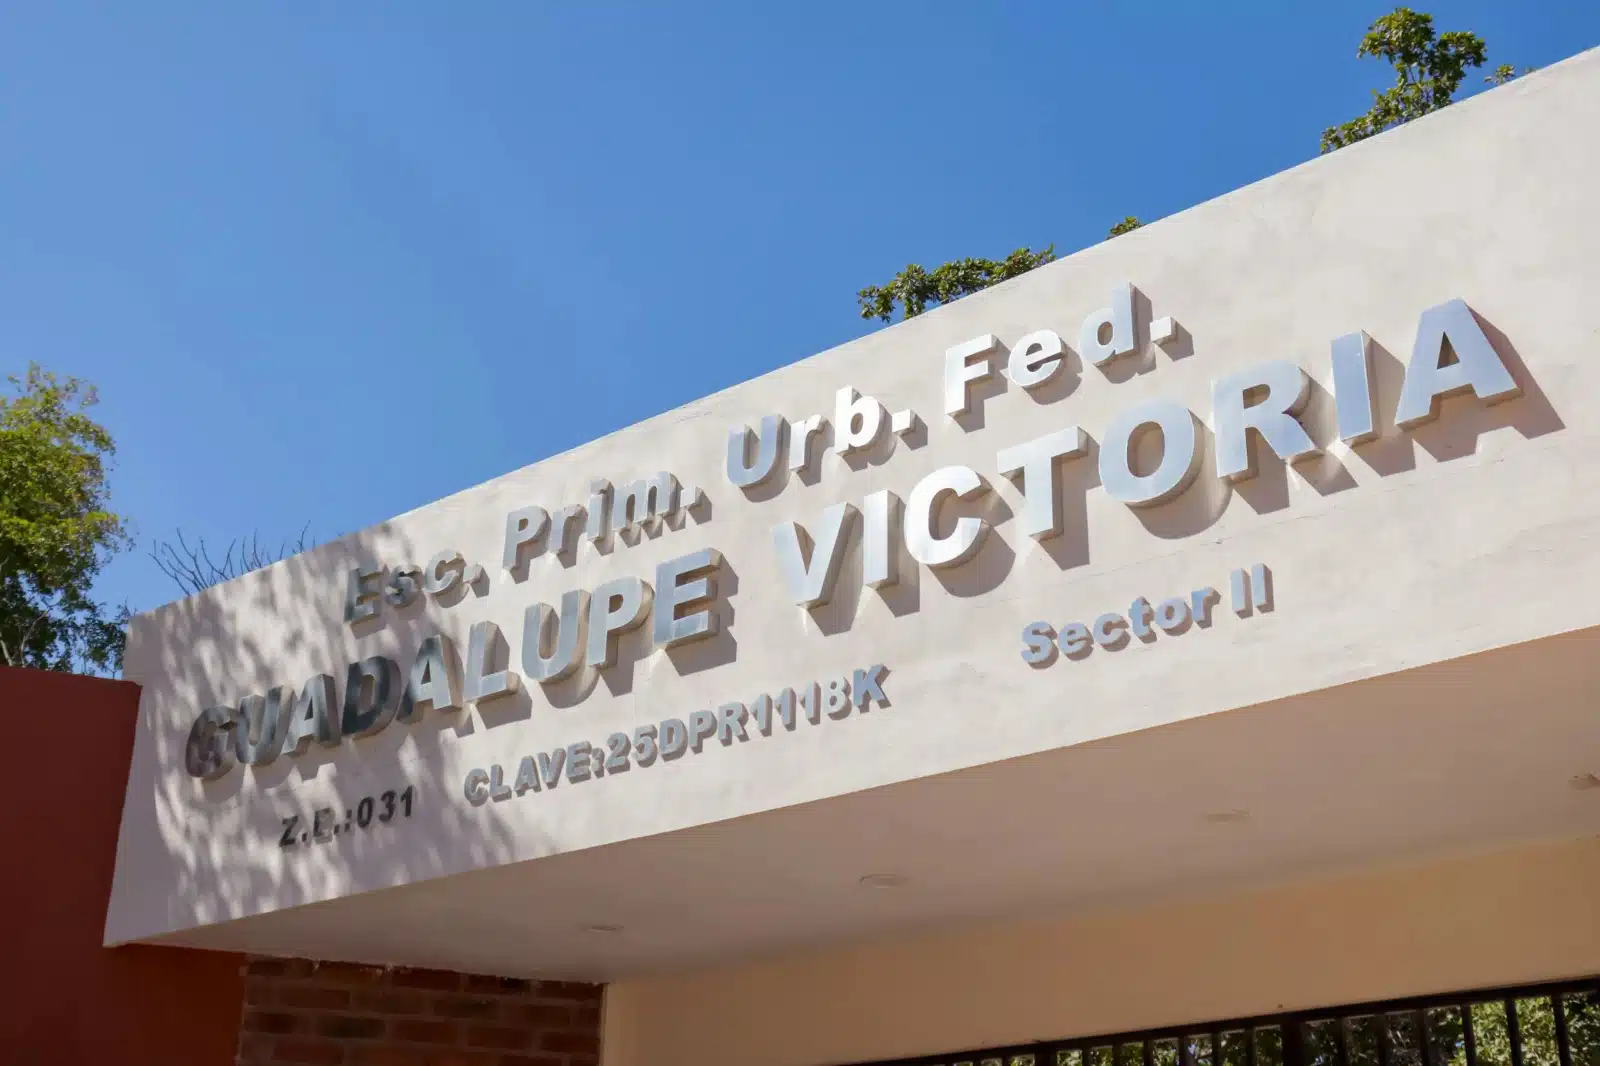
point(1471, 533)
point(1485, 921)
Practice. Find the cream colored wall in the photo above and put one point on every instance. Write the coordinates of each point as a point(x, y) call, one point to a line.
point(1508, 918)
point(1472, 533)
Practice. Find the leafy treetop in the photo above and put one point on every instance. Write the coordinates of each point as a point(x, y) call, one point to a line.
point(914, 288)
point(56, 528)
point(1428, 67)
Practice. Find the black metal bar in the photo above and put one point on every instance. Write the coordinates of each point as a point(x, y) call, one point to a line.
point(1347, 1043)
point(1216, 1047)
point(1563, 1035)
point(1419, 1021)
point(1294, 1042)
point(1293, 1034)
point(1514, 1031)
point(1149, 1049)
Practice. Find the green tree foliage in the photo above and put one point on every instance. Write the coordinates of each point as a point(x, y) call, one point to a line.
point(56, 528)
point(1428, 67)
point(914, 288)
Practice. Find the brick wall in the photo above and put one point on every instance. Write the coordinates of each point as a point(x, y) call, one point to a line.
point(342, 1015)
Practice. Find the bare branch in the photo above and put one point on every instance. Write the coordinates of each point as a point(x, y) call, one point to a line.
point(192, 568)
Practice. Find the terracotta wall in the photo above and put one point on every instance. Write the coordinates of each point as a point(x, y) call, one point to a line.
point(65, 999)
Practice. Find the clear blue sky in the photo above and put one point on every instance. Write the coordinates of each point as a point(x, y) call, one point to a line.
point(330, 262)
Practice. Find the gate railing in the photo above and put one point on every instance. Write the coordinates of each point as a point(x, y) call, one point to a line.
point(1542, 1025)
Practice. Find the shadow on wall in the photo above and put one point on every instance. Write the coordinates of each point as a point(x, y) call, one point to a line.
point(220, 855)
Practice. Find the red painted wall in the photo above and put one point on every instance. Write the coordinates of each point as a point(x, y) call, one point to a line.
point(65, 745)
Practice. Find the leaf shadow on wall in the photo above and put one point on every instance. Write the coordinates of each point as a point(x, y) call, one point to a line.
point(214, 854)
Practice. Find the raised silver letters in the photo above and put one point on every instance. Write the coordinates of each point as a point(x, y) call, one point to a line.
point(368, 710)
point(1180, 454)
point(259, 726)
point(431, 680)
point(921, 507)
point(1274, 417)
point(1036, 461)
point(858, 421)
point(746, 471)
point(312, 718)
point(811, 583)
point(960, 370)
point(644, 503)
point(880, 539)
point(1115, 323)
point(800, 435)
point(482, 681)
point(616, 606)
point(442, 573)
point(209, 751)
point(686, 581)
point(594, 527)
point(1477, 368)
point(1352, 388)
point(1036, 358)
point(565, 654)
point(360, 597)
point(523, 526)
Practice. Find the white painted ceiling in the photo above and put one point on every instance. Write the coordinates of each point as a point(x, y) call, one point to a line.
point(1474, 754)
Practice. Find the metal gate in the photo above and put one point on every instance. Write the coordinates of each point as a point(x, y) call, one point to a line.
point(1544, 1025)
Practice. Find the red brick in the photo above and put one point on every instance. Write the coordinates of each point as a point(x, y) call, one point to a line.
point(383, 1055)
point(505, 1037)
point(314, 996)
point(319, 1052)
point(270, 1022)
point(568, 990)
point(350, 973)
point(259, 993)
point(584, 1060)
point(466, 1007)
point(588, 1018)
point(254, 1048)
point(389, 1000)
point(438, 980)
point(509, 985)
point(460, 1058)
point(576, 1043)
point(541, 1015)
point(349, 1027)
point(423, 1032)
point(531, 1060)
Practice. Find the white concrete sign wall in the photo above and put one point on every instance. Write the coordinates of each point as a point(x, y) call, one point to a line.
point(1330, 426)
